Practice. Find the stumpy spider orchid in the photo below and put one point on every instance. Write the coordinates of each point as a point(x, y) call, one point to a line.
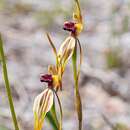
point(75, 27)
point(45, 101)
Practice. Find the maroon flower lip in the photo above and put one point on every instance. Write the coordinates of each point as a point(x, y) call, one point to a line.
point(46, 78)
point(69, 26)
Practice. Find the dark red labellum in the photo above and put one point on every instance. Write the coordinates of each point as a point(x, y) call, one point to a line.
point(46, 78)
point(69, 26)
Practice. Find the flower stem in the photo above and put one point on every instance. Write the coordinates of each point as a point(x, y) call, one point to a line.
point(76, 88)
point(61, 113)
point(7, 85)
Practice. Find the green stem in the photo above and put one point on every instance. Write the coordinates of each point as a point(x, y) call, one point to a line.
point(7, 85)
point(76, 88)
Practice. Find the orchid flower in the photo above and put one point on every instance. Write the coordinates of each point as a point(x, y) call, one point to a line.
point(62, 56)
point(75, 27)
point(44, 102)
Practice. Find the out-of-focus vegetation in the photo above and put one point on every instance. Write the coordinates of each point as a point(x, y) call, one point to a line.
point(20, 8)
point(47, 19)
point(3, 127)
point(113, 58)
point(2, 4)
point(120, 126)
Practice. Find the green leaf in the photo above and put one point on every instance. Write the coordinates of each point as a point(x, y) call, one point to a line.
point(52, 118)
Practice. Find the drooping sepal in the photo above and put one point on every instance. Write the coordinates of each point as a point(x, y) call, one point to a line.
point(66, 50)
point(42, 104)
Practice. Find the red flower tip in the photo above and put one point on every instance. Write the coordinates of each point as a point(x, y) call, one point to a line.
point(69, 26)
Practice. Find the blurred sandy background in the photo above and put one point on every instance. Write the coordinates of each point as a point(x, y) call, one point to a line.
point(105, 74)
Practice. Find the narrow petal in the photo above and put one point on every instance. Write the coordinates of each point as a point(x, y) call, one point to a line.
point(42, 104)
point(52, 45)
point(52, 69)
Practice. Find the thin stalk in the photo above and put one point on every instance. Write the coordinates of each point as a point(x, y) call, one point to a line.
point(7, 85)
point(76, 88)
point(61, 113)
